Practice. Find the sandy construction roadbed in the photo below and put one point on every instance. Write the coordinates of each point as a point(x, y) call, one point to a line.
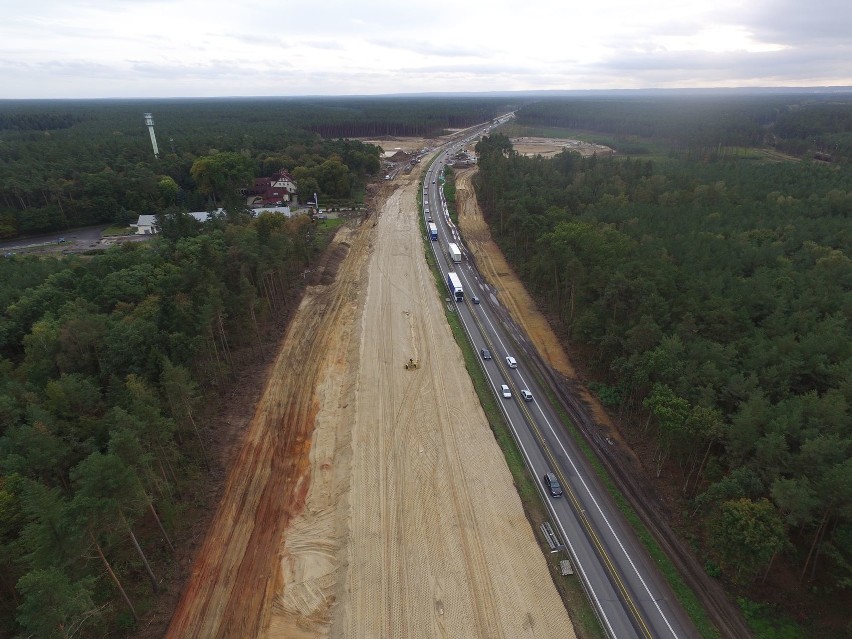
point(370, 500)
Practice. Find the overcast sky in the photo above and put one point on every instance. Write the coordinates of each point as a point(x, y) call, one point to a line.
point(152, 48)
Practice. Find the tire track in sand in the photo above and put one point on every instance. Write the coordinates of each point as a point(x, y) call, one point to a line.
point(485, 606)
point(412, 509)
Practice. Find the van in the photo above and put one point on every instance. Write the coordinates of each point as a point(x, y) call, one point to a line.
point(511, 361)
point(552, 485)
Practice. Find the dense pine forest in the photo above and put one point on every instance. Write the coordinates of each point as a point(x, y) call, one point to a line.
point(697, 124)
point(709, 295)
point(107, 363)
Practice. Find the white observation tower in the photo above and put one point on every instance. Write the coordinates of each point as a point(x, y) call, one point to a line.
point(149, 122)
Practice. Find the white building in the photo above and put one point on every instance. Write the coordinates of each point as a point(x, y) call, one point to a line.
point(147, 224)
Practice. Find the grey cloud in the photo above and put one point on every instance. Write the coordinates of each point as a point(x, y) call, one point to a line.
point(254, 39)
point(785, 66)
point(483, 68)
point(428, 48)
point(329, 17)
point(795, 22)
point(59, 79)
point(329, 45)
point(213, 70)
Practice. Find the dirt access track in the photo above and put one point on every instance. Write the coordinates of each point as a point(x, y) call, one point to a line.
point(368, 500)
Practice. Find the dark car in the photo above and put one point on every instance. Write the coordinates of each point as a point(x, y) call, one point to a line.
point(486, 354)
point(552, 485)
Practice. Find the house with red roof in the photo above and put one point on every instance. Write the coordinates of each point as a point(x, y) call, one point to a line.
point(279, 189)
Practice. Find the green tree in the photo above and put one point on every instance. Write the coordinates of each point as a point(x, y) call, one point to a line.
point(73, 396)
point(182, 395)
point(41, 346)
point(107, 490)
point(80, 339)
point(220, 175)
point(670, 413)
point(12, 519)
point(334, 179)
point(307, 183)
point(36, 449)
point(53, 606)
point(174, 224)
point(168, 190)
point(50, 536)
point(745, 536)
point(704, 425)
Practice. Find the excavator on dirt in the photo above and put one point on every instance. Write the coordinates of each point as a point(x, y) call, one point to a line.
point(410, 365)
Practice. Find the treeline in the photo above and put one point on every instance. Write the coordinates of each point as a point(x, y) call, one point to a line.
point(800, 124)
point(36, 121)
point(67, 164)
point(106, 364)
point(412, 117)
point(822, 128)
point(712, 304)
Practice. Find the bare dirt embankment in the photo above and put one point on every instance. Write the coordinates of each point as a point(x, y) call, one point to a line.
point(368, 500)
point(235, 574)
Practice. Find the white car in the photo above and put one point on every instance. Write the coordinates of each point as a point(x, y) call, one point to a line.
point(511, 361)
point(506, 392)
point(526, 395)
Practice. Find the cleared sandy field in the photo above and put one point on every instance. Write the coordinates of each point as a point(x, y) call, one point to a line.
point(430, 536)
point(368, 500)
point(390, 143)
point(548, 147)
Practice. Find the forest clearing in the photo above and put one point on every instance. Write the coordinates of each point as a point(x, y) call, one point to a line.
point(350, 510)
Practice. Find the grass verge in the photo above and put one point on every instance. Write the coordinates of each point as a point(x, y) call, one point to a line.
point(116, 231)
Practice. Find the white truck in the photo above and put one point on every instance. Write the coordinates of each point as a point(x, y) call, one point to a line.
point(433, 231)
point(454, 284)
point(455, 253)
